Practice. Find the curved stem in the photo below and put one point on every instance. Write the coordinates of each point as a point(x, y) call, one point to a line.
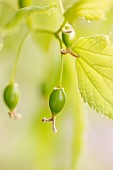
point(45, 31)
point(17, 57)
point(63, 24)
point(60, 42)
point(55, 34)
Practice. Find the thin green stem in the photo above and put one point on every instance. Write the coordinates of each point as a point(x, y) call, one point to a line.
point(58, 37)
point(62, 25)
point(17, 57)
point(61, 6)
point(61, 71)
point(78, 129)
point(65, 20)
point(45, 31)
point(60, 42)
point(55, 34)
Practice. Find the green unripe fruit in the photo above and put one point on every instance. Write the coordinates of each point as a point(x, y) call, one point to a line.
point(11, 96)
point(57, 100)
point(24, 3)
point(68, 35)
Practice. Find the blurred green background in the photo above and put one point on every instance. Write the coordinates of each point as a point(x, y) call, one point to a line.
point(85, 139)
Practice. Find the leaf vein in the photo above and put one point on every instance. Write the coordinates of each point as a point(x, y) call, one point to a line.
point(95, 86)
point(87, 50)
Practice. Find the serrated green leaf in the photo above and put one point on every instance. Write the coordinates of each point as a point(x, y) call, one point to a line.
point(95, 72)
point(89, 9)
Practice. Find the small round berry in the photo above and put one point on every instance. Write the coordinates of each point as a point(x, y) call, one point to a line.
point(24, 3)
point(57, 100)
point(68, 35)
point(11, 96)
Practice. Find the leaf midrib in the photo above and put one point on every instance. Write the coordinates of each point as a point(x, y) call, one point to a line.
point(82, 58)
point(93, 52)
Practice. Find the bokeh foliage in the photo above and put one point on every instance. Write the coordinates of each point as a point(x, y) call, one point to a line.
point(30, 144)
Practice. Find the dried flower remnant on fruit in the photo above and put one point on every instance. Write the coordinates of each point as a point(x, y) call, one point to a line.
point(68, 35)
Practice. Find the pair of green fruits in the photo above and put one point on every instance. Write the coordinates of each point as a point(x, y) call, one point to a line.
point(57, 98)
